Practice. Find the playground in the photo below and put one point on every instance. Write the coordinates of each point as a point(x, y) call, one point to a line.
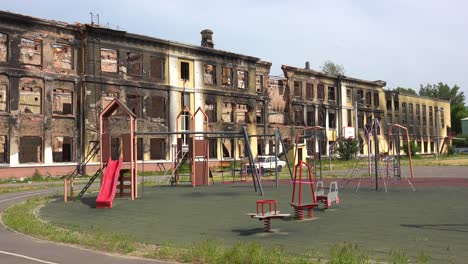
point(430, 220)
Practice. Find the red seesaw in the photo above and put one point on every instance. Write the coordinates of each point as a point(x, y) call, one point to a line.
point(266, 216)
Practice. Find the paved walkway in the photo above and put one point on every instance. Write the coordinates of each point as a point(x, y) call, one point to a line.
point(16, 248)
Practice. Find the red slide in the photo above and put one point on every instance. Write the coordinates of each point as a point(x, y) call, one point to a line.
point(109, 184)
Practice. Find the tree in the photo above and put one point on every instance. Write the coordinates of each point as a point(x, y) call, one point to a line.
point(332, 68)
point(347, 147)
point(456, 97)
point(413, 148)
point(406, 90)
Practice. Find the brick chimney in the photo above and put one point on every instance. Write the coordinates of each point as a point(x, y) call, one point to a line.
point(207, 38)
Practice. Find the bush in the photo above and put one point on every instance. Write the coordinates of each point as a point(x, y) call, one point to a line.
point(347, 148)
point(413, 148)
point(450, 150)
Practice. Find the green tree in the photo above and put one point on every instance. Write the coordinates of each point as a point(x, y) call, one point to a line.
point(330, 67)
point(347, 148)
point(406, 90)
point(456, 97)
point(413, 148)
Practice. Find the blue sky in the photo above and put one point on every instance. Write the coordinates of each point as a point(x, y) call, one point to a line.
point(403, 42)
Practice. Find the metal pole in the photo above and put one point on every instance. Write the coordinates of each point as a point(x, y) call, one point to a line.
point(276, 159)
point(355, 120)
point(376, 157)
point(437, 134)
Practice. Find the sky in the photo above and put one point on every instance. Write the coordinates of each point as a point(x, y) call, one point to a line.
point(403, 42)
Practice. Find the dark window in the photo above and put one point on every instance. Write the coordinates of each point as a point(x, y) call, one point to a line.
point(185, 71)
point(431, 118)
point(259, 113)
point(158, 107)
point(331, 94)
point(368, 98)
point(298, 116)
point(298, 89)
point(63, 102)
point(349, 118)
point(157, 67)
point(259, 83)
point(134, 62)
point(310, 117)
point(331, 119)
point(3, 149)
point(376, 99)
point(210, 109)
point(30, 149)
point(321, 92)
point(134, 103)
point(157, 148)
point(310, 91)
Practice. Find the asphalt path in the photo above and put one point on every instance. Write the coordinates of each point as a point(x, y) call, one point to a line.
point(16, 248)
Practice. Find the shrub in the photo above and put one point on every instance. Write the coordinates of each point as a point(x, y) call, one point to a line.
point(413, 148)
point(347, 148)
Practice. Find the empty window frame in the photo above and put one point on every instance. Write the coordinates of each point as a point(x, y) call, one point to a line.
point(62, 149)
point(310, 116)
point(298, 89)
point(442, 119)
point(157, 67)
point(62, 56)
point(309, 91)
point(3, 149)
point(227, 112)
point(360, 117)
point(376, 99)
point(418, 115)
point(30, 149)
point(31, 51)
point(259, 83)
point(348, 95)
point(396, 103)
point(134, 63)
point(185, 71)
point(349, 118)
point(331, 94)
point(157, 148)
point(259, 114)
point(359, 96)
point(242, 79)
point(210, 110)
point(431, 117)
point(209, 75)
point(321, 117)
point(62, 101)
point(109, 60)
point(331, 118)
point(424, 116)
point(368, 98)
point(227, 76)
point(3, 47)
point(410, 114)
point(4, 82)
point(403, 108)
point(213, 148)
point(320, 92)
point(299, 115)
point(30, 93)
point(158, 107)
point(134, 104)
point(241, 113)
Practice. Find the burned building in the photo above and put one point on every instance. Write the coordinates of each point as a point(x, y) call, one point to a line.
point(55, 79)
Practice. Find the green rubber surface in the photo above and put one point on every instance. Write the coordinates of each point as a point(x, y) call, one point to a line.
point(433, 220)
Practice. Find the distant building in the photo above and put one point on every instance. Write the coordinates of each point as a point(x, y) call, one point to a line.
point(464, 124)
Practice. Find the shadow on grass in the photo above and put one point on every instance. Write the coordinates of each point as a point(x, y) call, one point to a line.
point(249, 232)
point(89, 201)
point(442, 227)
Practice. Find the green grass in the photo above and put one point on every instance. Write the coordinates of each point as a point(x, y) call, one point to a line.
point(349, 254)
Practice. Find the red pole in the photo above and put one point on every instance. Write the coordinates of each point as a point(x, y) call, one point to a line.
point(294, 184)
point(300, 183)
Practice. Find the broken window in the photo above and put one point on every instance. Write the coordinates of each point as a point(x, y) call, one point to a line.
point(134, 104)
point(321, 92)
point(157, 67)
point(227, 112)
point(227, 76)
point(210, 110)
point(331, 118)
point(376, 99)
point(418, 115)
point(331, 94)
point(158, 107)
point(424, 116)
point(348, 95)
point(321, 117)
point(241, 113)
point(348, 117)
point(62, 56)
point(134, 63)
point(62, 149)
point(63, 102)
point(31, 51)
point(310, 91)
point(442, 120)
point(396, 103)
point(368, 98)
point(359, 96)
point(213, 148)
point(157, 148)
point(3, 93)
point(30, 92)
point(299, 116)
point(259, 113)
point(3, 149)
point(360, 119)
point(259, 83)
point(310, 116)
point(243, 79)
point(209, 75)
point(3, 47)
point(298, 89)
point(431, 118)
point(109, 60)
point(410, 114)
point(30, 149)
point(185, 71)
point(403, 108)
